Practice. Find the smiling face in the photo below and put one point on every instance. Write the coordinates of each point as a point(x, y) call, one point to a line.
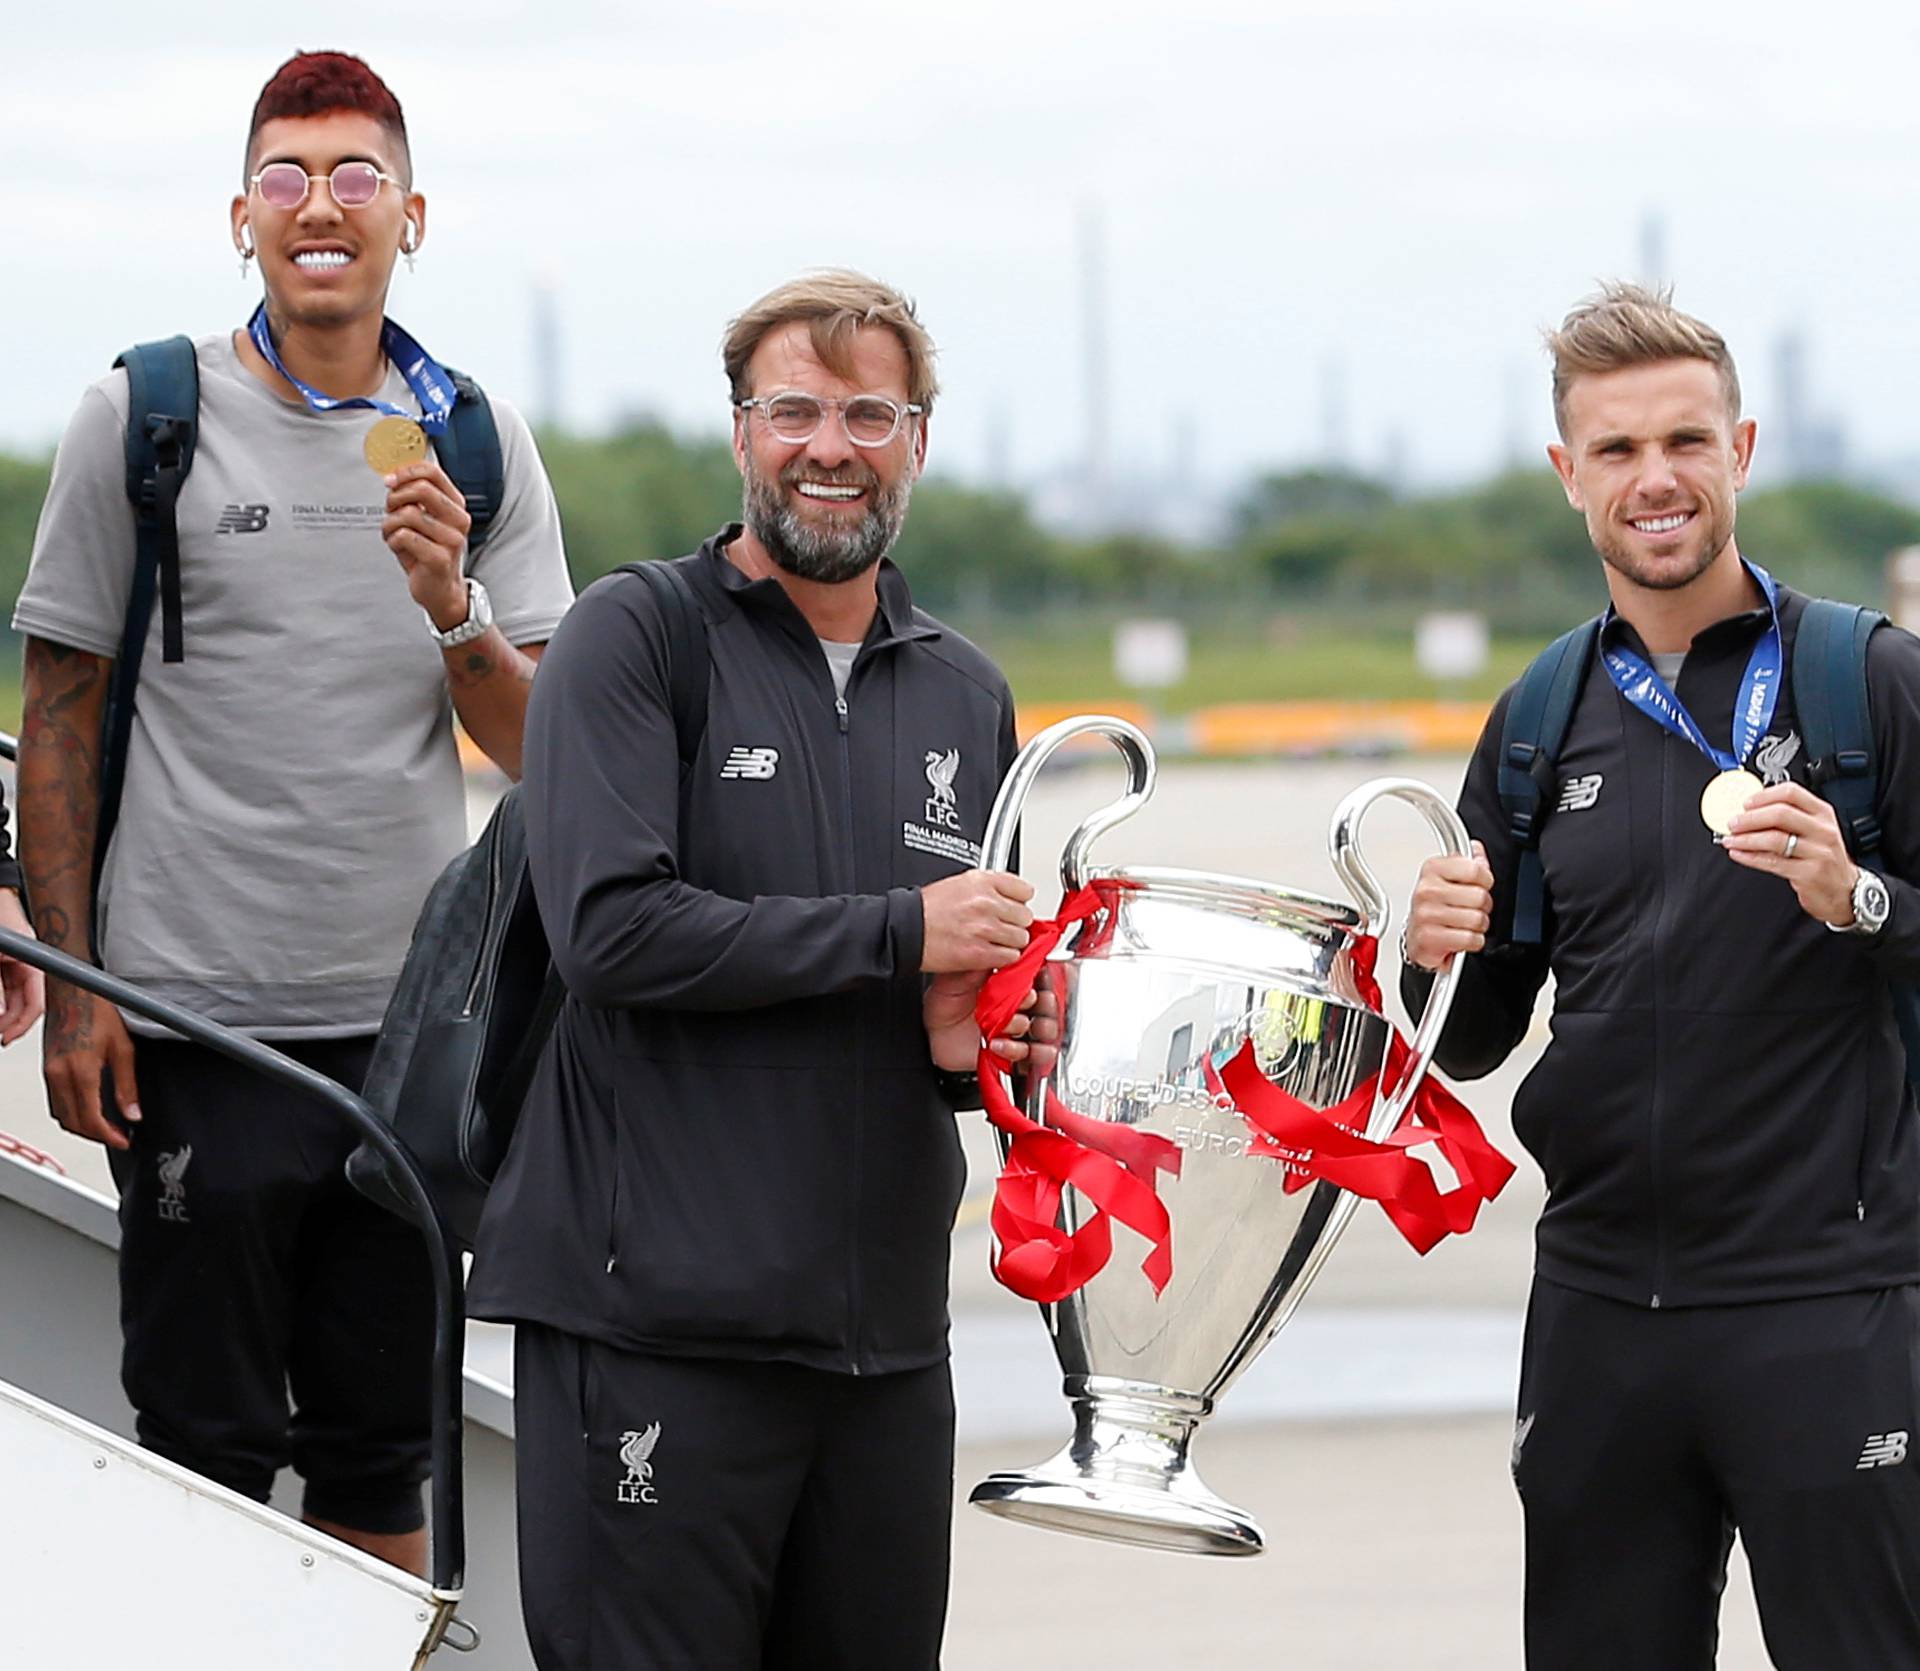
point(824, 509)
point(1653, 458)
point(324, 265)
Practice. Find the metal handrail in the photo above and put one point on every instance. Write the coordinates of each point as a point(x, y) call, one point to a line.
point(446, 1493)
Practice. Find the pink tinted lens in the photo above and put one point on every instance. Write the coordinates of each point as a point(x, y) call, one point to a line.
point(355, 184)
point(283, 184)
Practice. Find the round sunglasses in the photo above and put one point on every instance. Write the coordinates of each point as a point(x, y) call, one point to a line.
point(354, 185)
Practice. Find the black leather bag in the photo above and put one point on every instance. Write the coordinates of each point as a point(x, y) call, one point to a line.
point(472, 1010)
point(478, 994)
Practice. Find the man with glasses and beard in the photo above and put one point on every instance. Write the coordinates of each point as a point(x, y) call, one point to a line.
point(723, 1225)
point(292, 788)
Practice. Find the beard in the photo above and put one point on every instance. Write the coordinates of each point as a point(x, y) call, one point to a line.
point(843, 547)
point(1665, 574)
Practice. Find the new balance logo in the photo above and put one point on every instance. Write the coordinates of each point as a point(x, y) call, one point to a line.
point(757, 763)
point(242, 519)
point(1883, 1450)
point(1579, 793)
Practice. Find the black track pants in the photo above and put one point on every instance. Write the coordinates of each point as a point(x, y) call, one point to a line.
point(693, 1514)
point(250, 1270)
point(1647, 1438)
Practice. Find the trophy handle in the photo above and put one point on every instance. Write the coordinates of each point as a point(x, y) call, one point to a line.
point(996, 850)
point(1343, 841)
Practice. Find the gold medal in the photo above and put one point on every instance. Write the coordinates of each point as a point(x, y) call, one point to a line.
point(393, 442)
point(1723, 798)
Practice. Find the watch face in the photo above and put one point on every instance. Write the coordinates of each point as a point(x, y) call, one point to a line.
point(1871, 903)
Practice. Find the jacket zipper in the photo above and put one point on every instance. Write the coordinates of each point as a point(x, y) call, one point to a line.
point(1667, 835)
point(857, 1090)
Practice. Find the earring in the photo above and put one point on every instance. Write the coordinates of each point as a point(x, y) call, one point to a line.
point(246, 258)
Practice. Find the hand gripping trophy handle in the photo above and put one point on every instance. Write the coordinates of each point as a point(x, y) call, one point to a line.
point(996, 850)
point(1343, 843)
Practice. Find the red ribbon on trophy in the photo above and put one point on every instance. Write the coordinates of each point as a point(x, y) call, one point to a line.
point(1330, 1145)
point(1114, 1165)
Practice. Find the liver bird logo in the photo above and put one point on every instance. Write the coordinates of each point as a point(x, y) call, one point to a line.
point(173, 1171)
point(1772, 758)
point(941, 771)
point(172, 1205)
point(635, 1449)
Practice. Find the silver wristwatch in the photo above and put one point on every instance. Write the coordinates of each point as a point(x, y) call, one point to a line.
point(1872, 905)
point(479, 618)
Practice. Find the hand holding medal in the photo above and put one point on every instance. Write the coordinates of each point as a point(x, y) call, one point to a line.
point(426, 528)
point(1790, 832)
point(1643, 687)
point(426, 525)
point(1781, 829)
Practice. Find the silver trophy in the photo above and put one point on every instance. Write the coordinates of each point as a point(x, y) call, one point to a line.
point(1189, 968)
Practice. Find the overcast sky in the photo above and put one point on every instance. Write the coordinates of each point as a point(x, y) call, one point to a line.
point(1402, 193)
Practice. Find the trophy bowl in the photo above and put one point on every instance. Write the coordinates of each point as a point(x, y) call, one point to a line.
point(1180, 973)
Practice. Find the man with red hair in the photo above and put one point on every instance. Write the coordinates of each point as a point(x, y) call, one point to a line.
point(291, 789)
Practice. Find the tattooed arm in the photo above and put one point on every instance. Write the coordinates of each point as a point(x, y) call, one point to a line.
point(490, 679)
point(59, 787)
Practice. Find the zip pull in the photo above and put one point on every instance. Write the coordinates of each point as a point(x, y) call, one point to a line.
point(840, 708)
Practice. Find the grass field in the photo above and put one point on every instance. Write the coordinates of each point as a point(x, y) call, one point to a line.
point(1077, 668)
point(1318, 667)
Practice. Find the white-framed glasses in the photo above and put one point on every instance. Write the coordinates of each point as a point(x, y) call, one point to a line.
point(869, 420)
point(354, 185)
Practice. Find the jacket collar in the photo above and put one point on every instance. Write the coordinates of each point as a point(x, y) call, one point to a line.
point(896, 622)
point(1730, 634)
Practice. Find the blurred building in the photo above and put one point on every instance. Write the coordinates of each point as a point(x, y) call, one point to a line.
point(1807, 444)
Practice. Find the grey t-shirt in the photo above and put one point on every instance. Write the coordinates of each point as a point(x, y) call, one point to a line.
point(840, 658)
point(292, 787)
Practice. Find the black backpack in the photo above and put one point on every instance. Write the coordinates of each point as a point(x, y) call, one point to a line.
point(163, 421)
point(478, 994)
point(1830, 701)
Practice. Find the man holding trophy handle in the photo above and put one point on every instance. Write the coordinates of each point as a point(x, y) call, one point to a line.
point(723, 1228)
point(1724, 1326)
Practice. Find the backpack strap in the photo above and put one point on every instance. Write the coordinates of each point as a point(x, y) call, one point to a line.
point(469, 451)
point(163, 414)
point(1530, 738)
point(1836, 724)
point(688, 658)
point(1830, 701)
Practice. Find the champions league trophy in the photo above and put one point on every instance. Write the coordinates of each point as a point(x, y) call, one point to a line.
point(1185, 969)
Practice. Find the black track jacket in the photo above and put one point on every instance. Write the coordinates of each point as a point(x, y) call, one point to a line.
point(734, 1146)
point(1722, 1114)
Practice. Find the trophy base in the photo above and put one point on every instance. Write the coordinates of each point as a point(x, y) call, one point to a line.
point(1125, 1476)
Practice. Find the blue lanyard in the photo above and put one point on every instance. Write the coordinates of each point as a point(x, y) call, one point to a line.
point(425, 376)
point(1641, 685)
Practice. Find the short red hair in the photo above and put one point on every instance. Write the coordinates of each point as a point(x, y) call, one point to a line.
point(320, 83)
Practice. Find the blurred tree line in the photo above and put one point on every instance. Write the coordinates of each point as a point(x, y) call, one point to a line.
point(1320, 543)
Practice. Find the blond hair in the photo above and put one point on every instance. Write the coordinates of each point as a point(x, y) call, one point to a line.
point(1630, 325)
point(833, 303)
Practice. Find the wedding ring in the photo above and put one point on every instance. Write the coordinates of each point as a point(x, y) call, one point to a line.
point(1793, 841)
